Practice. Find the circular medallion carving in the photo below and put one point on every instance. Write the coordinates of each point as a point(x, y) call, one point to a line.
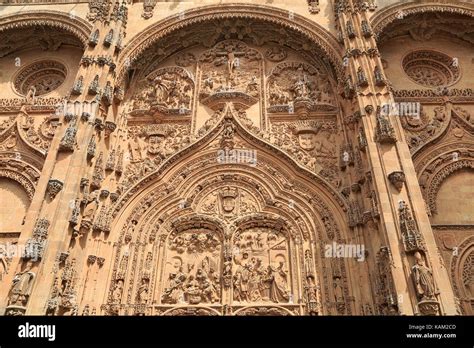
point(45, 76)
point(431, 69)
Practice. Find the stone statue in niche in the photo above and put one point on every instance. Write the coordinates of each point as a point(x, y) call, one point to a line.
point(117, 291)
point(22, 285)
point(423, 279)
point(260, 272)
point(135, 149)
point(166, 91)
point(90, 209)
point(338, 290)
point(292, 85)
point(193, 269)
point(142, 295)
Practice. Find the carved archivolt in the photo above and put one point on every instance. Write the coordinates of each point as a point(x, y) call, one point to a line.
point(23, 180)
point(309, 29)
point(462, 273)
point(441, 176)
point(54, 19)
point(441, 145)
point(386, 16)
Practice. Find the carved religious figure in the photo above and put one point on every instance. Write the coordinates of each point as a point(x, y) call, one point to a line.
point(165, 91)
point(260, 272)
point(21, 286)
point(193, 269)
point(293, 85)
point(231, 72)
point(90, 209)
point(423, 279)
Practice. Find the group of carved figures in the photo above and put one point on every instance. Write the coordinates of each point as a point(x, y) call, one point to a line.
point(197, 277)
point(232, 66)
point(203, 286)
point(255, 282)
point(169, 89)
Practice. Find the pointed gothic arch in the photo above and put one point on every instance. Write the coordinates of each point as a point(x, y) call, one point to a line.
point(191, 201)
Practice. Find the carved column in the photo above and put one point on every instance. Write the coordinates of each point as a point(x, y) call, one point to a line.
point(389, 163)
point(88, 112)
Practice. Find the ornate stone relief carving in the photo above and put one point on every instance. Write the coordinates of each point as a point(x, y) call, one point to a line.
point(167, 91)
point(195, 280)
point(44, 76)
point(384, 131)
point(250, 30)
point(54, 187)
point(63, 297)
point(386, 296)
point(424, 24)
point(149, 146)
point(98, 10)
point(260, 267)
point(45, 36)
point(430, 68)
point(231, 71)
point(412, 238)
point(397, 179)
point(221, 248)
point(311, 143)
point(295, 85)
point(420, 130)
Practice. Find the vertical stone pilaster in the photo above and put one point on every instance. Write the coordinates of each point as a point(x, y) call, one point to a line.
point(88, 112)
point(388, 160)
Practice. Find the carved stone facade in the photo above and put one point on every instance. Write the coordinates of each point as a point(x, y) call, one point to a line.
point(228, 159)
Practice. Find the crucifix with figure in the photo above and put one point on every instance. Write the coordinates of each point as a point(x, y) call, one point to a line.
point(232, 61)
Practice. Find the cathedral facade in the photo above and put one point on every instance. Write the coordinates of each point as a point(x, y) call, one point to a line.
point(287, 157)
